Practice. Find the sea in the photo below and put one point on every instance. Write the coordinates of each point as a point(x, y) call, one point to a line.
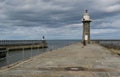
point(19, 55)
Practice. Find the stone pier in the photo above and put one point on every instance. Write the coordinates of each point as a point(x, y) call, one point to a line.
point(70, 61)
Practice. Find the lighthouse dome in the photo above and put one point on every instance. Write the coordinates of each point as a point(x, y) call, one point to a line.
point(86, 16)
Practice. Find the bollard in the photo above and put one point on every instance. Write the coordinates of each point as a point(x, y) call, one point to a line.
point(84, 42)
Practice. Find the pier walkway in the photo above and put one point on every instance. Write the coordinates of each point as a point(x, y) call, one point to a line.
point(70, 61)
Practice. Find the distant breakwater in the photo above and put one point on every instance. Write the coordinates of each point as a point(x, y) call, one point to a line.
point(22, 44)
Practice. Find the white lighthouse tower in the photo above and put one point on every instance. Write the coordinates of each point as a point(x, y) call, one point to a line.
point(86, 28)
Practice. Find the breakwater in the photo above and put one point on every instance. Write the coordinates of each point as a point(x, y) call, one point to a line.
point(14, 56)
point(22, 44)
point(70, 61)
point(112, 45)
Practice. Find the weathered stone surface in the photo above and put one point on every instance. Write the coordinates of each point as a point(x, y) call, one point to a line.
point(71, 61)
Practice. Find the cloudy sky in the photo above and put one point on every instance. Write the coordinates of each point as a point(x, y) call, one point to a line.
point(58, 19)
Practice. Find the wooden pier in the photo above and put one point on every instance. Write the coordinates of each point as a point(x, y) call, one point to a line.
point(71, 61)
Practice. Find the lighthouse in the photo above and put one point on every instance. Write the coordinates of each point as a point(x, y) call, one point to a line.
point(44, 43)
point(86, 28)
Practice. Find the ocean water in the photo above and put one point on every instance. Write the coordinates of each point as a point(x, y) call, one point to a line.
point(15, 56)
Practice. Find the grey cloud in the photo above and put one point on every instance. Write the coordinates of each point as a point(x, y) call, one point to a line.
point(58, 13)
point(44, 17)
